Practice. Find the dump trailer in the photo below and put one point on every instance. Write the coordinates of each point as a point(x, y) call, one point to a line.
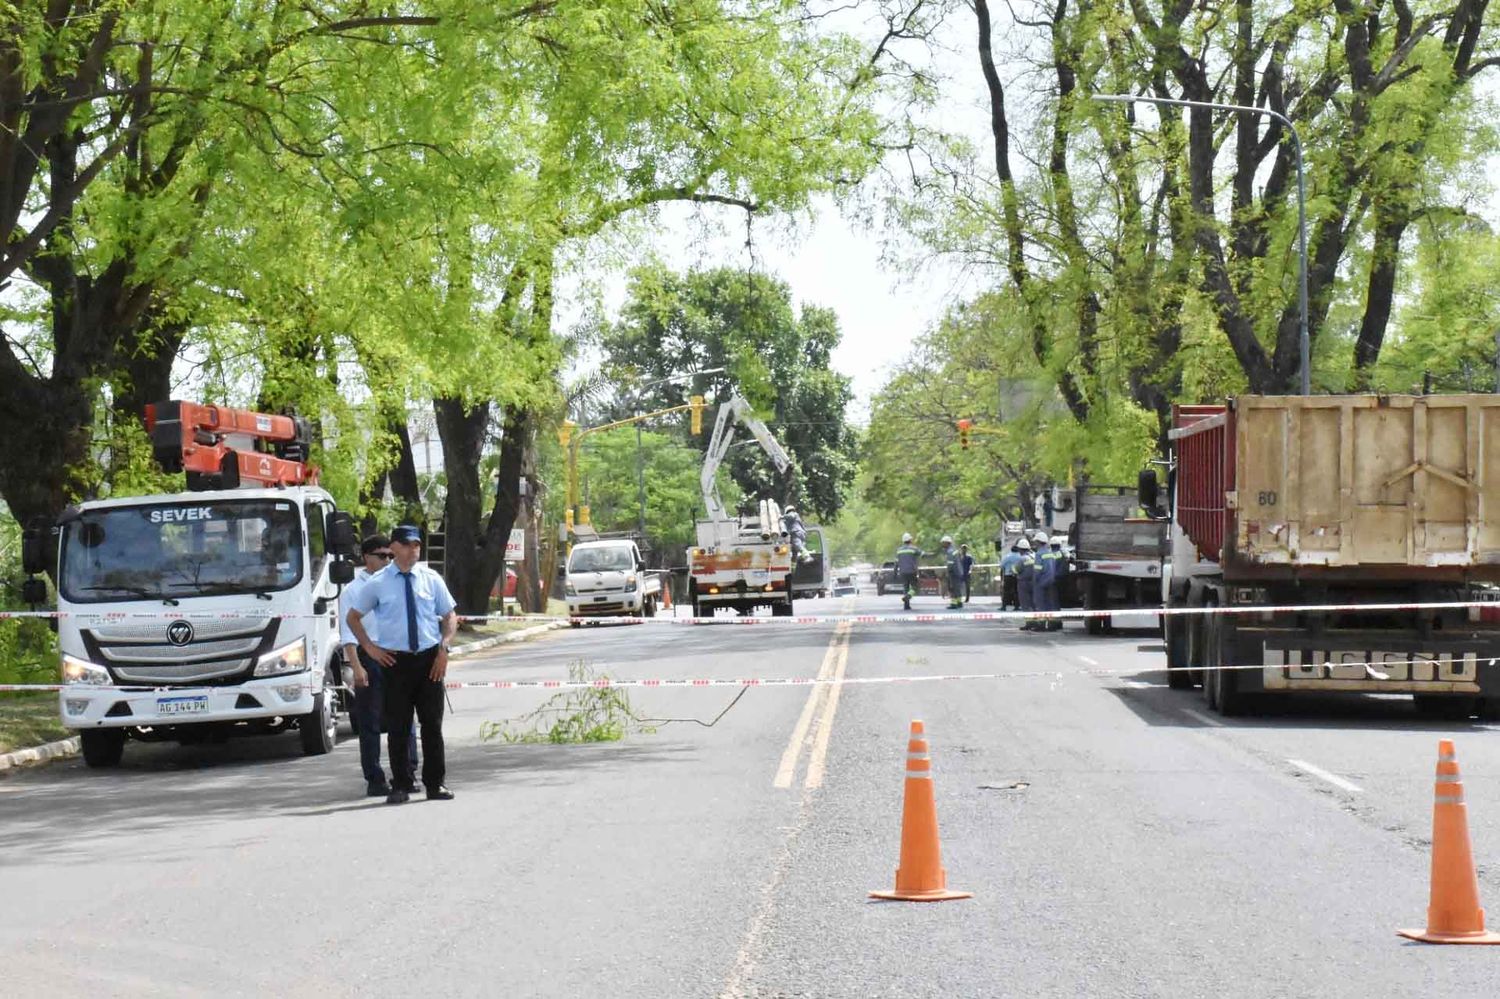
point(1117, 552)
point(1339, 502)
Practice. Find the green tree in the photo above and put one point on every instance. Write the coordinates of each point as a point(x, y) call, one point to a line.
point(777, 357)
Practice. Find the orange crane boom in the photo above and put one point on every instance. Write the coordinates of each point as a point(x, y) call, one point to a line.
point(223, 448)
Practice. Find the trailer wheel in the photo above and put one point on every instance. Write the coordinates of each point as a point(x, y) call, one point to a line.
point(1206, 652)
point(102, 747)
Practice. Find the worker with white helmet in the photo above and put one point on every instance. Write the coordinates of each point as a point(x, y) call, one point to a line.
point(1055, 572)
point(1025, 576)
point(792, 526)
point(953, 561)
point(906, 569)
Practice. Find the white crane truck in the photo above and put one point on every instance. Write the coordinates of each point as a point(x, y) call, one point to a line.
point(208, 613)
point(739, 562)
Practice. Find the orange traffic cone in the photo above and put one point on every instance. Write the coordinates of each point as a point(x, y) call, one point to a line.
point(1453, 913)
point(666, 594)
point(921, 877)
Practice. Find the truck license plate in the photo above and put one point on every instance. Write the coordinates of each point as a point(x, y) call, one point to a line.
point(181, 705)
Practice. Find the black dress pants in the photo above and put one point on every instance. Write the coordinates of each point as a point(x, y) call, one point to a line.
point(408, 687)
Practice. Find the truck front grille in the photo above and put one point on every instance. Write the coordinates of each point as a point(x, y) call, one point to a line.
point(217, 651)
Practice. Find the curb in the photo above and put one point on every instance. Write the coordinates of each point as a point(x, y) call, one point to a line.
point(39, 754)
point(514, 636)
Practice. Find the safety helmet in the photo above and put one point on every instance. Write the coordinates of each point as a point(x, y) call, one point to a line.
point(946, 540)
point(1040, 536)
point(906, 539)
point(1023, 545)
point(1059, 539)
point(788, 509)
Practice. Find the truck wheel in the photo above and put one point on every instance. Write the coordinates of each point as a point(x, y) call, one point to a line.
point(103, 747)
point(703, 610)
point(1093, 599)
point(880, 589)
point(782, 609)
point(1444, 708)
point(319, 728)
point(1179, 677)
point(1208, 656)
point(648, 608)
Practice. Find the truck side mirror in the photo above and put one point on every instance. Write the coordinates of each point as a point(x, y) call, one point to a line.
point(1146, 489)
point(34, 591)
point(339, 530)
point(341, 572)
point(35, 547)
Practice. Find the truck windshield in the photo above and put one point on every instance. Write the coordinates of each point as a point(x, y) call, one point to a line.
point(616, 559)
point(174, 550)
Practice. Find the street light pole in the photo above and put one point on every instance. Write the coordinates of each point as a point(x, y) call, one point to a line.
point(1303, 349)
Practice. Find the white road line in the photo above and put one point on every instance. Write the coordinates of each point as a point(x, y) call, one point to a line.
point(1322, 774)
point(819, 756)
point(1087, 661)
point(788, 769)
point(1136, 684)
point(1200, 716)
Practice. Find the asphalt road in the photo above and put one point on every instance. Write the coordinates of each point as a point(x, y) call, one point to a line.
point(1119, 840)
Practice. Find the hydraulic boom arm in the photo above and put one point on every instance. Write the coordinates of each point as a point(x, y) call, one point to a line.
point(736, 409)
point(217, 446)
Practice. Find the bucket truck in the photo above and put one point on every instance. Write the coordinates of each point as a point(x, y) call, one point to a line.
point(203, 614)
point(739, 562)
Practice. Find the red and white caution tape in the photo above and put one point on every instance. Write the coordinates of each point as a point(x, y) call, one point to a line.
point(1373, 670)
point(904, 617)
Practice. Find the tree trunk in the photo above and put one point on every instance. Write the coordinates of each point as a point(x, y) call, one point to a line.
point(476, 549)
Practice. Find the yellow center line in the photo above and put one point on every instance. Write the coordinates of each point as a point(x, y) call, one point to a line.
point(819, 755)
point(788, 769)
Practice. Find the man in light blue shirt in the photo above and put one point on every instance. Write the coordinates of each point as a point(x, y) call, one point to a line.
point(413, 614)
point(369, 676)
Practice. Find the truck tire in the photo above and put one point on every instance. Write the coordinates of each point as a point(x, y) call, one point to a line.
point(1445, 708)
point(1093, 599)
point(319, 728)
point(1174, 635)
point(879, 588)
point(648, 607)
point(701, 609)
point(1207, 635)
point(102, 747)
point(782, 609)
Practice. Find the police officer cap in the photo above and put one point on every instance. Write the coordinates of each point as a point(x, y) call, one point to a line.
point(407, 534)
point(1023, 545)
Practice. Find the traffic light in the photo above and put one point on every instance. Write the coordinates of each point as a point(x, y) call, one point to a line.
point(963, 433)
point(697, 403)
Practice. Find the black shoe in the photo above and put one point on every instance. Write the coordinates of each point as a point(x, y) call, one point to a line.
point(398, 796)
point(439, 793)
point(377, 788)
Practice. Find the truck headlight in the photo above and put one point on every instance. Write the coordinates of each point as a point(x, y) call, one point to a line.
point(570, 589)
point(78, 671)
point(630, 584)
point(287, 659)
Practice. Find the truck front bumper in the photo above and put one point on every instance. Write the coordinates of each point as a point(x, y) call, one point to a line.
point(604, 604)
point(84, 707)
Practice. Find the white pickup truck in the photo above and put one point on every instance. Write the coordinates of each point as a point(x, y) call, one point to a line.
point(608, 579)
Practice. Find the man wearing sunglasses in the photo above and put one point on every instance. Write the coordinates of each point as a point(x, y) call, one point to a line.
point(413, 613)
point(369, 678)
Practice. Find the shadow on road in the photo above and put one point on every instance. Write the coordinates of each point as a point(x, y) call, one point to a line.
point(73, 812)
point(1159, 705)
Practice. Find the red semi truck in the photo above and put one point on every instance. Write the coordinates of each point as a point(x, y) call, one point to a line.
point(1344, 501)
